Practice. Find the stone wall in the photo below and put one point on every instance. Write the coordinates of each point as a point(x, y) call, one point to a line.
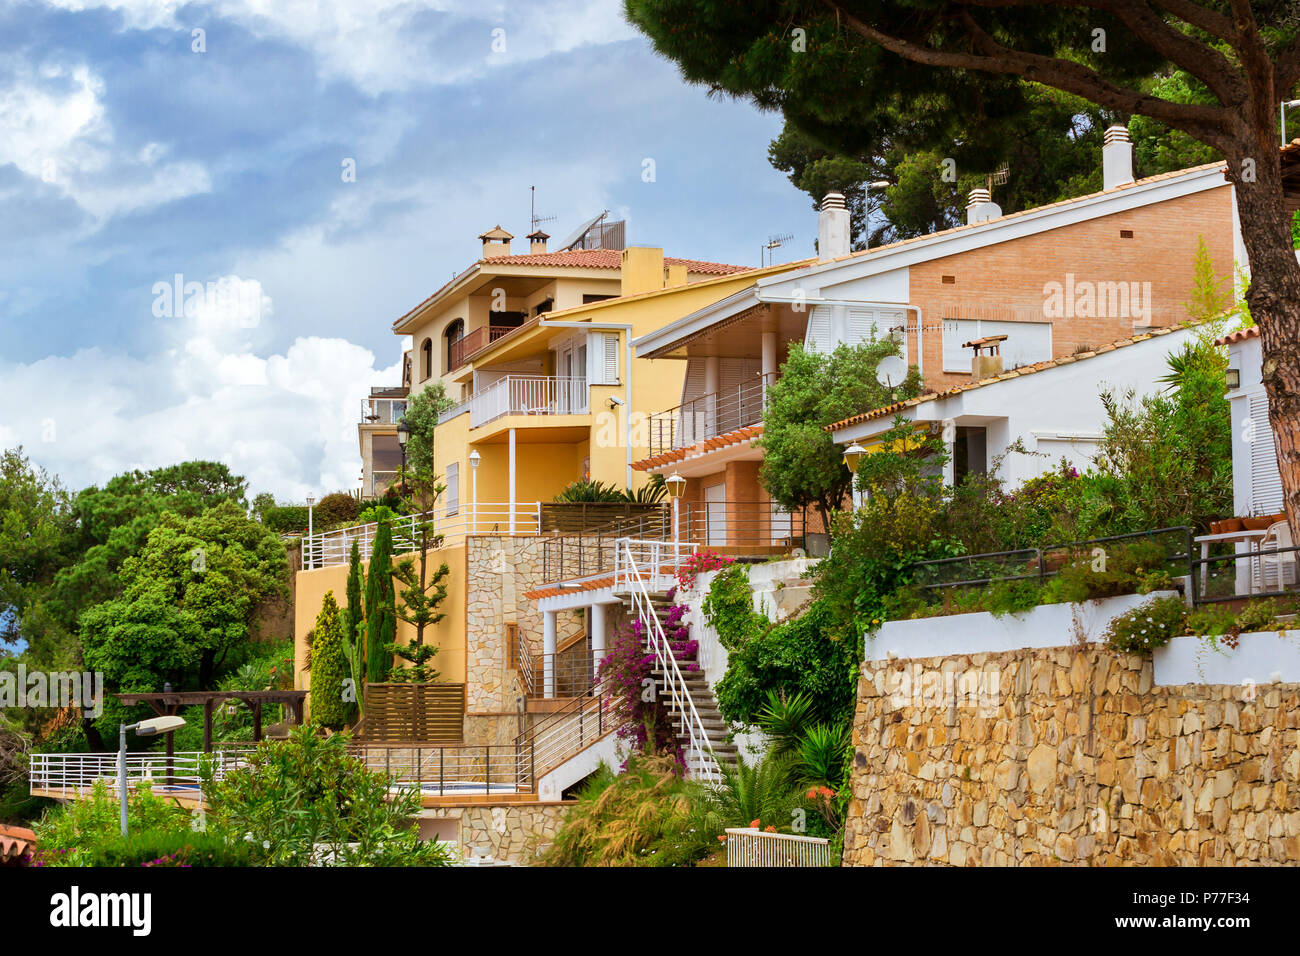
point(1069, 756)
point(512, 832)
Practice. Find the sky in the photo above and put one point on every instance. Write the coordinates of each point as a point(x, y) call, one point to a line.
point(317, 168)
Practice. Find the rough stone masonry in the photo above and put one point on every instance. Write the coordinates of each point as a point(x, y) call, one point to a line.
point(1081, 762)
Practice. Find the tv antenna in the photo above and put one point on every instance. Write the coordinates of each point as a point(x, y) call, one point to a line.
point(773, 243)
point(532, 210)
point(999, 176)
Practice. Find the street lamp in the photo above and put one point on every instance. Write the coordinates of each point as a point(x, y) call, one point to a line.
point(474, 459)
point(877, 184)
point(676, 485)
point(852, 456)
point(403, 433)
point(145, 728)
point(311, 502)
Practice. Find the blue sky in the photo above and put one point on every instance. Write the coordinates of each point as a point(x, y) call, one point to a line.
point(128, 157)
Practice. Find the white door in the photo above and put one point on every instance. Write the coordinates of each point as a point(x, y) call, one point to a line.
point(715, 515)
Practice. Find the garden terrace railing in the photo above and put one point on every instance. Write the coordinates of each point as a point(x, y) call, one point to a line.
point(709, 416)
point(470, 344)
point(450, 769)
point(335, 547)
point(1254, 571)
point(640, 570)
point(571, 672)
point(569, 556)
point(382, 411)
point(177, 775)
point(1039, 564)
point(560, 735)
point(748, 846)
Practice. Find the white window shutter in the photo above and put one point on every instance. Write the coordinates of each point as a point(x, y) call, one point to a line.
point(1265, 482)
point(818, 338)
point(607, 358)
point(452, 494)
point(693, 386)
point(862, 326)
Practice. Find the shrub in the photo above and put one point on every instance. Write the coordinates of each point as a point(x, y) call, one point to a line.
point(285, 519)
point(784, 719)
point(66, 835)
point(701, 562)
point(729, 608)
point(821, 755)
point(329, 667)
point(1150, 625)
point(337, 509)
point(162, 848)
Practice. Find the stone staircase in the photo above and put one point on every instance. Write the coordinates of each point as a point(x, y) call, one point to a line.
point(701, 695)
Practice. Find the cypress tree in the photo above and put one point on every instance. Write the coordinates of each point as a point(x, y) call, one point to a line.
point(329, 667)
point(353, 618)
point(380, 607)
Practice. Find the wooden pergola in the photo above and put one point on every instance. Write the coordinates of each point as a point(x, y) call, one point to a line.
point(167, 704)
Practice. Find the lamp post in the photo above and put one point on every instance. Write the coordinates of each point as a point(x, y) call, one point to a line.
point(676, 485)
point(474, 459)
point(852, 456)
point(403, 433)
point(877, 184)
point(311, 503)
point(145, 728)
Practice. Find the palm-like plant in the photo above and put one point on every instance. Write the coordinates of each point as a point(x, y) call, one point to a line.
point(822, 753)
point(784, 718)
point(766, 790)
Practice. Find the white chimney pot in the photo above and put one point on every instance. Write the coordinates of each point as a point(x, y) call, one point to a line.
point(1116, 158)
point(834, 235)
point(980, 207)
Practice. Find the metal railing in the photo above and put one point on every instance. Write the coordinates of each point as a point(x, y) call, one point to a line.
point(577, 725)
point(591, 552)
point(382, 411)
point(335, 547)
point(73, 775)
point(981, 570)
point(759, 525)
point(569, 673)
point(709, 416)
point(633, 556)
point(468, 345)
point(1258, 572)
point(451, 769)
point(529, 395)
point(747, 846)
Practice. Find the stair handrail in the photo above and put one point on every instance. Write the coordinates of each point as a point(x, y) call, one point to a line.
point(543, 731)
point(629, 574)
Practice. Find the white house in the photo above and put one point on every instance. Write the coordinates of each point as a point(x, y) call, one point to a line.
point(1053, 408)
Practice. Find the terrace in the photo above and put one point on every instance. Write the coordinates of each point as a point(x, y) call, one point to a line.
point(709, 416)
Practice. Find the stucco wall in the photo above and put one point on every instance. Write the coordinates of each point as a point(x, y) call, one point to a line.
point(1068, 755)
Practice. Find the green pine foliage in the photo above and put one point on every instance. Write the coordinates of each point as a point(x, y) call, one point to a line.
point(380, 603)
point(330, 706)
point(354, 620)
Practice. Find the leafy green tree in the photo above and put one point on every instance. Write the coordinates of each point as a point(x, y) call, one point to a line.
point(838, 69)
point(422, 413)
point(36, 540)
point(380, 603)
point(329, 667)
point(188, 601)
point(424, 588)
point(802, 466)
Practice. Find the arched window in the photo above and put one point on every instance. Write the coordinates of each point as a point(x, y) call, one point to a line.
point(426, 360)
point(455, 332)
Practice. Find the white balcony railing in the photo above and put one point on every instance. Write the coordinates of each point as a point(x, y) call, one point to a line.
point(70, 775)
point(529, 395)
point(335, 547)
point(382, 411)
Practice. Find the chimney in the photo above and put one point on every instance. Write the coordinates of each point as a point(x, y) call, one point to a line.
point(642, 270)
point(833, 231)
point(674, 275)
point(980, 207)
point(1116, 158)
point(987, 360)
point(496, 243)
point(537, 242)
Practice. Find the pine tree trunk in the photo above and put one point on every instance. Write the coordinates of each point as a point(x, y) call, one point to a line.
point(1274, 298)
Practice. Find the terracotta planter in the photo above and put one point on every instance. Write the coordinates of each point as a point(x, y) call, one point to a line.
point(1216, 527)
point(1232, 524)
point(1257, 524)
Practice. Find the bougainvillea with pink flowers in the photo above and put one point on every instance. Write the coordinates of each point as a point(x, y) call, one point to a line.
point(699, 563)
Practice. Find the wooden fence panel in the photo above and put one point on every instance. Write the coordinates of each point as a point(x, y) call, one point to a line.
point(414, 713)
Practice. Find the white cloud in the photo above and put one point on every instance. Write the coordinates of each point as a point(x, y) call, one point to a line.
point(389, 45)
point(53, 128)
point(287, 422)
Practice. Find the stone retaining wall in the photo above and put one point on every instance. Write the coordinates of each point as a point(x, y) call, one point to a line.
point(1071, 756)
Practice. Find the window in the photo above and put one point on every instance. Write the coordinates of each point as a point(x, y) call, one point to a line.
point(452, 494)
point(455, 332)
point(426, 360)
point(588, 298)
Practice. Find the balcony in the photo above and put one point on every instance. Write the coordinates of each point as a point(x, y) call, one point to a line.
point(529, 395)
point(468, 345)
point(382, 411)
point(709, 416)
